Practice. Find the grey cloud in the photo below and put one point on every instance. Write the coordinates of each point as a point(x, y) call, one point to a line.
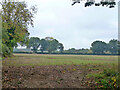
point(75, 26)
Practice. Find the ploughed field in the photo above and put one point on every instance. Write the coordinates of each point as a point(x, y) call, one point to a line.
point(60, 71)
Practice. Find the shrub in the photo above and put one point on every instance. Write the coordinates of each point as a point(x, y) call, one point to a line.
point(106, 79)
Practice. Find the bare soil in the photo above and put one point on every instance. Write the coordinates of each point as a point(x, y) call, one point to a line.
point(57, 76)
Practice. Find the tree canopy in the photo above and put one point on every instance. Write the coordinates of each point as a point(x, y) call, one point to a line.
point(50, 44)
point(113, 46)
point(110, 3)
point(47, 44)
point(34, 43)
point(15, 20)
point(61, 47)
point(99, 47)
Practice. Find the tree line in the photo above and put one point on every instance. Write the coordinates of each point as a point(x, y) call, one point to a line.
point(99, 48)
point(53, 46)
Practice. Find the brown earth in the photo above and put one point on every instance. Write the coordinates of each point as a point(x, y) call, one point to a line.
point(63, 76)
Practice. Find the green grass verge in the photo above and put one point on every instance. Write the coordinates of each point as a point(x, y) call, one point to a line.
point(31, 59)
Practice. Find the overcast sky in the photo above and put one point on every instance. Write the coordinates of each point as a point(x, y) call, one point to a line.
point(74, 26)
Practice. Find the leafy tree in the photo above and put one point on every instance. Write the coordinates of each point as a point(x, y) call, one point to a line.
point(15, 19)
point(99, 47)
point(110, 3)
point(53, 45)
point(61, 47)
point(34, 43)
point(50, 44)
point(5, 50)
point(44, 45)
point(113, 46)
point(71, 50)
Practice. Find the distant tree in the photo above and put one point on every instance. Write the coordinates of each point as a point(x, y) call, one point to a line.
point(71, 50)
point(53, 45)
point(61, 47)
point(83, 51)
point(89, 52)
point(99, 47)
point(110, 3)
point(44, 45)
point(50, 44)
point(34, 43)
point(113, 46)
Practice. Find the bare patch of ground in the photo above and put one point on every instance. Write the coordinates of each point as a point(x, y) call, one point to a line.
point(63, 76)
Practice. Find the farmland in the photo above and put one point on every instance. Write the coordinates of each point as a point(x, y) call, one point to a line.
point(36, 59)
point(57, 71)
